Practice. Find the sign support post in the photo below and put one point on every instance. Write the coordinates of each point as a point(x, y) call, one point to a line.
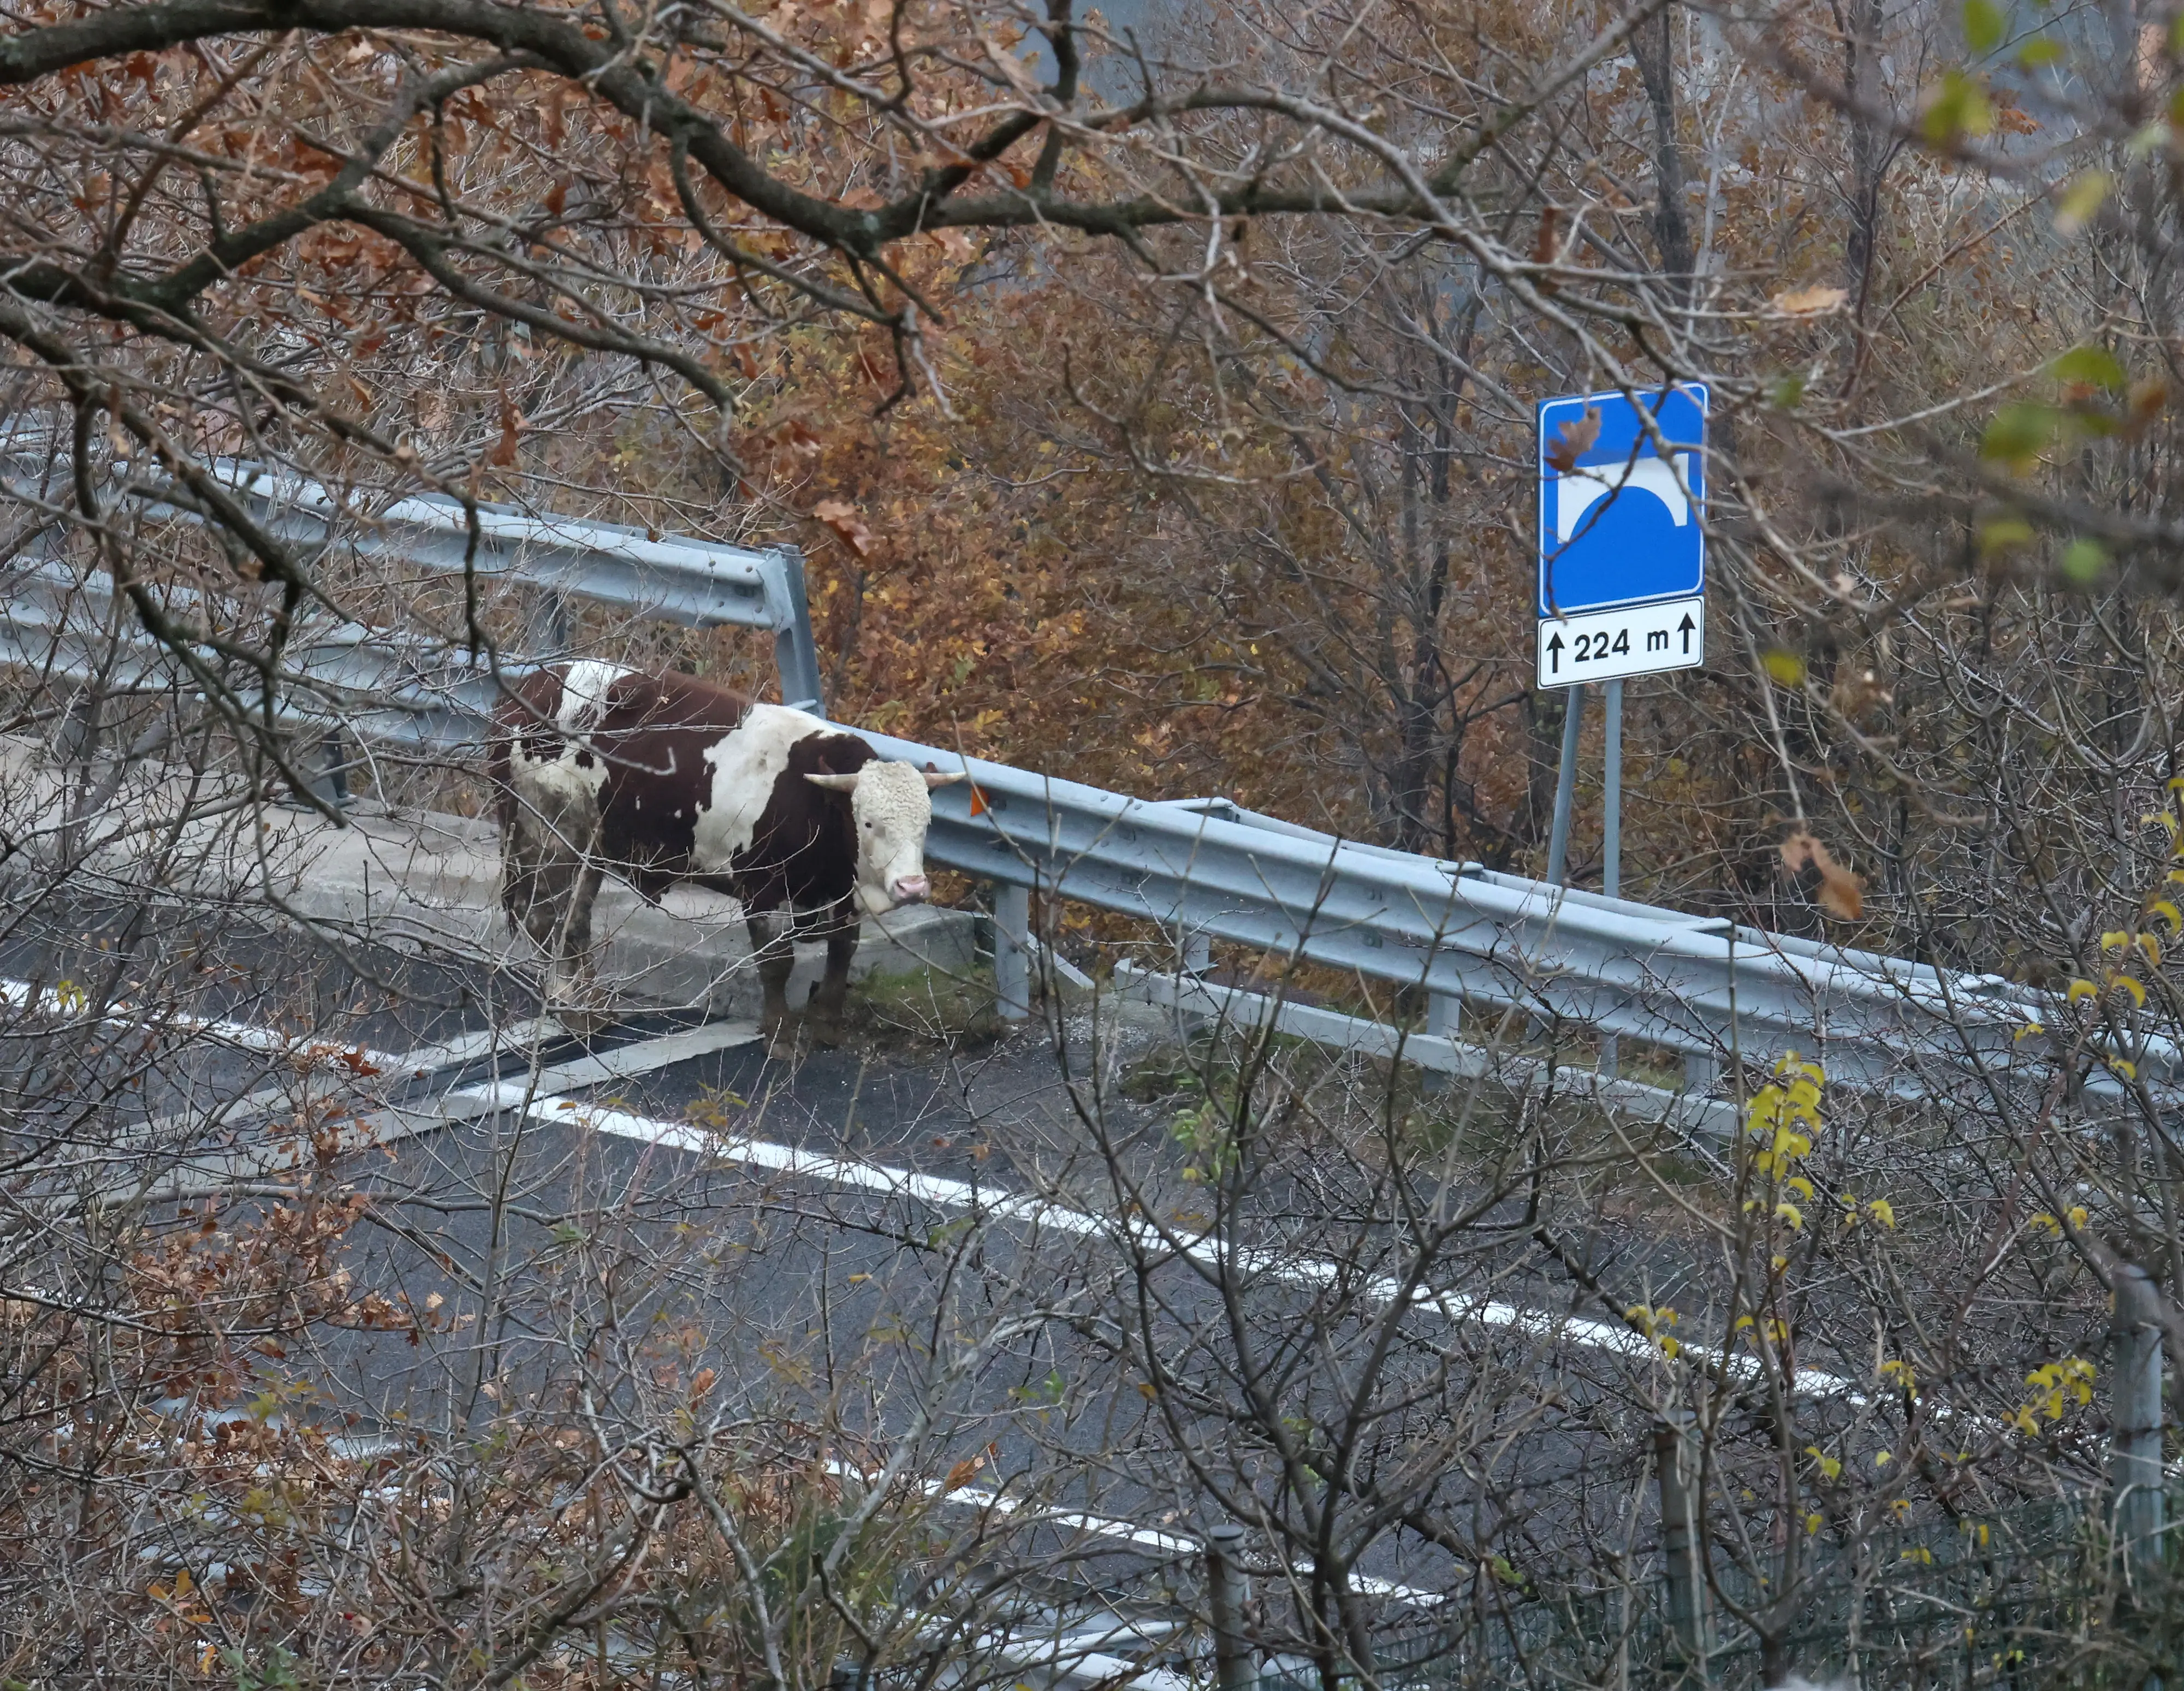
point(1611, 829)
point(1622, 587)
point(1565, 789)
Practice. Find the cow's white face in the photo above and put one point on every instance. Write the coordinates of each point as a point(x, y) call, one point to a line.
point(891, 808)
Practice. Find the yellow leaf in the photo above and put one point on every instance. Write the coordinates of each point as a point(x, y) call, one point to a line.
point(2027, 1031)
point(1882, 1210)
point(1783, 668)
point(2077, 204)
point(2077, 1215)
point(1790, 1215)
point(1799, 1187)
point(1809, 302)
point(2081, 989)
point(2137, 997)
point(2168, 913)
point(1813, 1522)
point(2114, 940)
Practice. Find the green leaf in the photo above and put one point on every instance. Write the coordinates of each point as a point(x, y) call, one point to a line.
point(2077, 204)
point(2041, 51)
point(1783, 668)
point(2084, 562)
point(2093, 367)
point(2001, 533)
point(2019, 434)
point(1984, 26)
point(1956, 107)
point(1787, 392)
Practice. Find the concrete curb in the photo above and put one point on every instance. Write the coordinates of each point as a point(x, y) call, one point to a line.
point(429, 883)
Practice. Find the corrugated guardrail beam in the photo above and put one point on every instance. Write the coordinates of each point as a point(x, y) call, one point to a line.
point(1203, 868)
point(380, 687)
point(1696, 986)
point(701, 583)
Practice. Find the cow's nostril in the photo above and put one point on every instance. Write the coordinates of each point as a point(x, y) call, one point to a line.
point(912, 888)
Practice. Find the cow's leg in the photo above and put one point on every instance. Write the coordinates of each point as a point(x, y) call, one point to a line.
point(549, 883)
point(773, 943)
point(573, 991)
point(838, 923)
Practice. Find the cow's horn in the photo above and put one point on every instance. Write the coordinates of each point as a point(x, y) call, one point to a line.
point(935, 779)
point(835, 784)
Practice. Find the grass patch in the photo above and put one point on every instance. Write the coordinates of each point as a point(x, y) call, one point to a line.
point(920, 1006)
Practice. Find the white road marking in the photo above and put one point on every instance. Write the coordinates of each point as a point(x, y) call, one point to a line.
point(410, 1065)
point(545, 1088)
point(1167, 1544)
point(64, 1001)
point(397, 1122)
point(986, 1200)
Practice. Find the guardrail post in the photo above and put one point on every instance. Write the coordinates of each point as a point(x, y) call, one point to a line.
point(1676, 1460)
point(1445, 1015)
point(1012, 955)
point(1194, 948)
point(552, 629)
point(324, 764)
point(2135, 1423)
point(794, 652)
point(1225, 1594)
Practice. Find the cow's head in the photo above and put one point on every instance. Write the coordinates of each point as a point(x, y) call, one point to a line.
point(891, 806)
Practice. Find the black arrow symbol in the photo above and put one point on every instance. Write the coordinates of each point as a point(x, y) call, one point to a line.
point(1555, 648)
point(1683, 629)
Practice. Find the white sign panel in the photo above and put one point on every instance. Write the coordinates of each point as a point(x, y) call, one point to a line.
point(1638, 639)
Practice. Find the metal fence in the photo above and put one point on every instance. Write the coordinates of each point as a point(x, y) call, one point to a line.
point(1707, 989)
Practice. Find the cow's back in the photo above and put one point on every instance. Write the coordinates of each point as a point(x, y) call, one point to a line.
point(672, 779)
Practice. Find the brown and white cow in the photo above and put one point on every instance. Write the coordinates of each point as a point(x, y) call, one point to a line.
point(658, 780)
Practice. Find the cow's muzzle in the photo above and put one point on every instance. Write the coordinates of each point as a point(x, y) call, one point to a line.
point(911, 888)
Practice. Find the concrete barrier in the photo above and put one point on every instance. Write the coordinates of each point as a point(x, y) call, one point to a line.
point(429, 883)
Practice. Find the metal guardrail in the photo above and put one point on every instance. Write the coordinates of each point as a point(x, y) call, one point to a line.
point(1705, 987)
point(382, 688)
point(1708, 989)
point(700, 584)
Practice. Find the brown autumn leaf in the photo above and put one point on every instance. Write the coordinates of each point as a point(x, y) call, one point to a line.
point(1809, 302)
point(1572, 438)
point(1545, 249)
point(1841, 894)
point(843, 518)
point(511, 428)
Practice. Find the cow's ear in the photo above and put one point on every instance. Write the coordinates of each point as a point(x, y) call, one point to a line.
point(934, 779)
point(834, 783)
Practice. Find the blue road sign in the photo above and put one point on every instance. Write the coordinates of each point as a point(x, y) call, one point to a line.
point(1620, 527)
